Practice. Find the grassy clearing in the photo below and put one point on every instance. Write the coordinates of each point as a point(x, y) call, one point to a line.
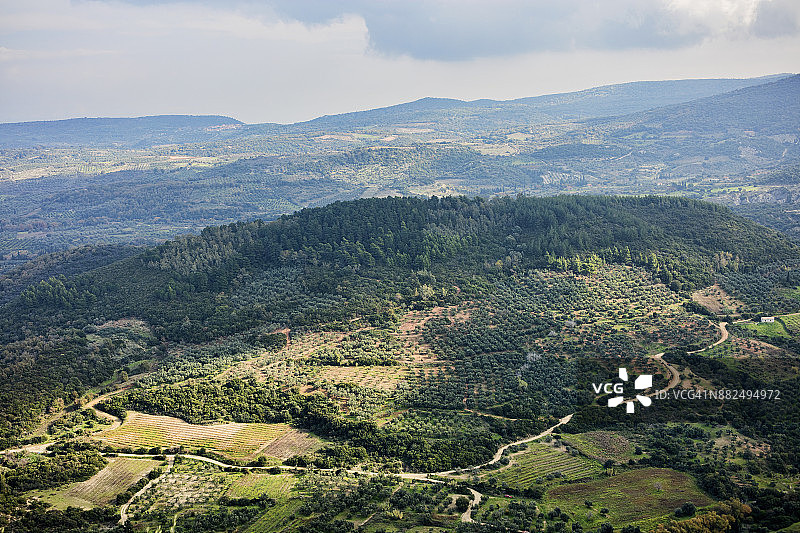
point(541, 463)
point(639, 497)
point(100, 489)
point(716, 300)
point(603, 445)
point(791, 322)
point(235, 440)
point(254, 484)
point(768, 329)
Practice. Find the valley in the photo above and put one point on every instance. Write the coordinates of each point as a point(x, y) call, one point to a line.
point(430, 317)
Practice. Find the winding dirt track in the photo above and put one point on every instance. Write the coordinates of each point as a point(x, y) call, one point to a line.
point(723, 327)
point(675, 376)
point(115, 421)
point(123, 511)
point(426, 477)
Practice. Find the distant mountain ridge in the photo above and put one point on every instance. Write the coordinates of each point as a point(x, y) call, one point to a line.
point(768, 109)
point(447, 114)
point(603, 101)
point(133, 132)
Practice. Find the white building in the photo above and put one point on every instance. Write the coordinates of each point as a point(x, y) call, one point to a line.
point(767, 319)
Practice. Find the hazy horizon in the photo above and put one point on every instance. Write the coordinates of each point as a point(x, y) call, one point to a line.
point(285, 62)
point(767, 77)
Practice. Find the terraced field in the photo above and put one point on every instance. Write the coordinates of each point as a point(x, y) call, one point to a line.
point(100, 489)
point(254, 484)
point(792, 322)
point(235, 440)
point(540, 461)
point(374, 377)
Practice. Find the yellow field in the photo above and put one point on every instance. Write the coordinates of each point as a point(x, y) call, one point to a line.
point(235, 440)
point(100, 489)
point(254, 484)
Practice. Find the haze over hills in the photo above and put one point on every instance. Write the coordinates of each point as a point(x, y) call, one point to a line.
point(136, 132)
point(604, 101)
point(138, 181)
point(608, 100)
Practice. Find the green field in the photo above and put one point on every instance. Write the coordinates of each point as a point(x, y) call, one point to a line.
point(602, 445)
point(768, 329)
point(540, 461)
point(639, 497)
point(100, 489)
point(791, 322)
point(254, 484)
point(278, 518)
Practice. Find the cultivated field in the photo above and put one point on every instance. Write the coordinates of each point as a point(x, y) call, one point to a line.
point(602, 445)
point(190, 484)
point(768, 329)
point(100, 489)
point(373, 377)
point(541, 463)
point(235, 440)
point(639, 497)
point(278, 518)
point(254, 484)
point(792, 322)
point(716, 300)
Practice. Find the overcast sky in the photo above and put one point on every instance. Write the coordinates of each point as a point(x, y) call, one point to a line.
point(292, 60)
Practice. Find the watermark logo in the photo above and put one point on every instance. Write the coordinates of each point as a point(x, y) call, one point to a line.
point(645, 381)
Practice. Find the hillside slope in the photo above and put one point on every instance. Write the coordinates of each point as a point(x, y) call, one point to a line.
point(322, 267)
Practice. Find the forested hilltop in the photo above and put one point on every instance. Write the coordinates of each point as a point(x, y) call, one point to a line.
point(407, 335)
point(182, 285)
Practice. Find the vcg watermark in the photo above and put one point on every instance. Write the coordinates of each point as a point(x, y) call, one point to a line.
point(641, 383)
point(719, 394)
point(645, 381)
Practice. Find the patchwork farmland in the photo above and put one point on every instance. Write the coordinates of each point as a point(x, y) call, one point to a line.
point(100, 489)
point(234, 440)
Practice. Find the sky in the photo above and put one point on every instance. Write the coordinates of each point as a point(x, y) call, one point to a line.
point(292, 60)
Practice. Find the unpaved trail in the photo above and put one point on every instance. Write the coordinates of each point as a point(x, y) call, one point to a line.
point(42, 447)
point(499, 453)
point(115, 421)
point(476, 500)
point(123, 510)
point(30, 448)
point(723, 327)
point(675, 376)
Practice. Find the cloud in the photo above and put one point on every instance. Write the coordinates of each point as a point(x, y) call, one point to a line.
point(461, 30)
point(289, 61)
point(777, 18)
point(455, 30)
